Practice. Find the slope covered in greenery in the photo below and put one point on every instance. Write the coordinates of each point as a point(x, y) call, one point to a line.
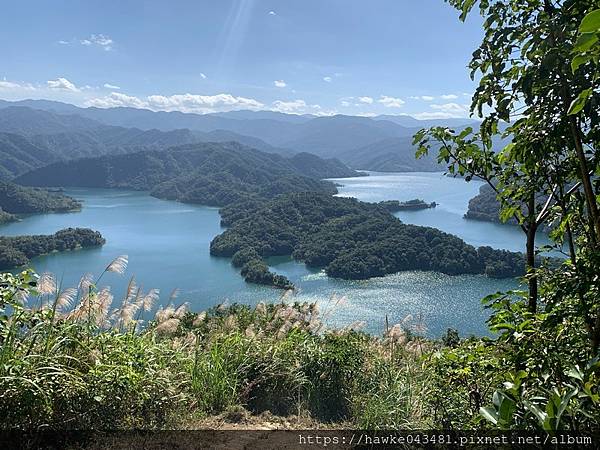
point(350, 239)
point(15, 199)
point(484, 206)
point(32, 138)
point(395, 154)
point(16, 251)
point(210, 174)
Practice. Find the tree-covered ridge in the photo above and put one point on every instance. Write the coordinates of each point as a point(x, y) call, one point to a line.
point(349, 239)
point(6, 217)
point(15, 199)
point(210, 174)
point(16, 251)
point(484, 206)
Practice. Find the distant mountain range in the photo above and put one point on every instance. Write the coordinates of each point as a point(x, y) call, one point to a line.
point(56, 131)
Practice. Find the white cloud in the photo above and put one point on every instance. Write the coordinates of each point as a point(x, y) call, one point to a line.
point(425, 98)
point(450, 107)
point(116, 99)
point(391, 102)
point(367, 100)
point(327, 79)
point(100, 40)
point(201, 103)
point(280, 83)
point(179, 102)
point(432, 115)
point(345, 103)
point(291, 107)
point(449, 96)
point(444, 111)
point(203, 75)
point(61, 42)
point(6, 85)
point(299, 107)
point(62, 84)
point(272, 13)
point(111, 86)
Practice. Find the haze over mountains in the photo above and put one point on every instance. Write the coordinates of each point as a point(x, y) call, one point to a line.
point(53, 131)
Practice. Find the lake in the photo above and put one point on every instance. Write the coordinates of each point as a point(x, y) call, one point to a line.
point(168, 247)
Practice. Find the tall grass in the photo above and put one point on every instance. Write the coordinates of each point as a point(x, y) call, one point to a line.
point(69, 359)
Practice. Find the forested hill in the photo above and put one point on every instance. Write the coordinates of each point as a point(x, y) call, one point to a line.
point(31, 138)
point(380, 143)
point(206, 173)
point(15, 199)
point(484, 206)
point(350, 239)
point(16, 251)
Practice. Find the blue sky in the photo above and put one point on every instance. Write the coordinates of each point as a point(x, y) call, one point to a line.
point(301, 56)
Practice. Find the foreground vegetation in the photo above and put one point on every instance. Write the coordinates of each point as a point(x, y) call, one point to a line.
point(69, 360)
point(538, 67)
point(76, 358)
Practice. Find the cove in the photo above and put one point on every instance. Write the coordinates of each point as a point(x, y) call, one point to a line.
point(168, 248)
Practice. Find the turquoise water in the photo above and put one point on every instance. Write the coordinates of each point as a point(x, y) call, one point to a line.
point(168, 248)
point(452, 196)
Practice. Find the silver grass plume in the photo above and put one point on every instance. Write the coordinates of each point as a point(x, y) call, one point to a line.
point(118, 265)
point(164, 313)
point(146, 302)
point(168, 326)
point(65, 298)
point(102, 305)
point(261, 309)
point(46, 285)
point(199, 319)
point(181, 310)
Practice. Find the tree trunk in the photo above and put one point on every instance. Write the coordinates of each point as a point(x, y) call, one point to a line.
point(530, 268)
point(588, 189)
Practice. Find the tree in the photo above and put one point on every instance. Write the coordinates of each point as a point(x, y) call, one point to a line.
point(526, 82)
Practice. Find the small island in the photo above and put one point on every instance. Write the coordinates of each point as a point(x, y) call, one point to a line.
point(16, 251)
point(410, 205)
point(349, 239)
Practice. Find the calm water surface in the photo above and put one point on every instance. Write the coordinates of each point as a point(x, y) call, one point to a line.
point(168, 247)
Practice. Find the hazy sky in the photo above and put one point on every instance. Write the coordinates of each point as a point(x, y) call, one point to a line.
point(317, 56)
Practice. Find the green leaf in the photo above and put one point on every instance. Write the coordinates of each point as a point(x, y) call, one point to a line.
point(585, 42)
point(579, 103)
point(465, 133)
point(578, 61)
point(590, 23)
point(466, 8)
point(537, 412)
point(490, 414)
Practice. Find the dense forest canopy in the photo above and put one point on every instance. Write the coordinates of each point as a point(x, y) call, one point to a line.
point(350, 239)
point(210, 174)
point(16, 251)
point(484, 206)
point(15, 199)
